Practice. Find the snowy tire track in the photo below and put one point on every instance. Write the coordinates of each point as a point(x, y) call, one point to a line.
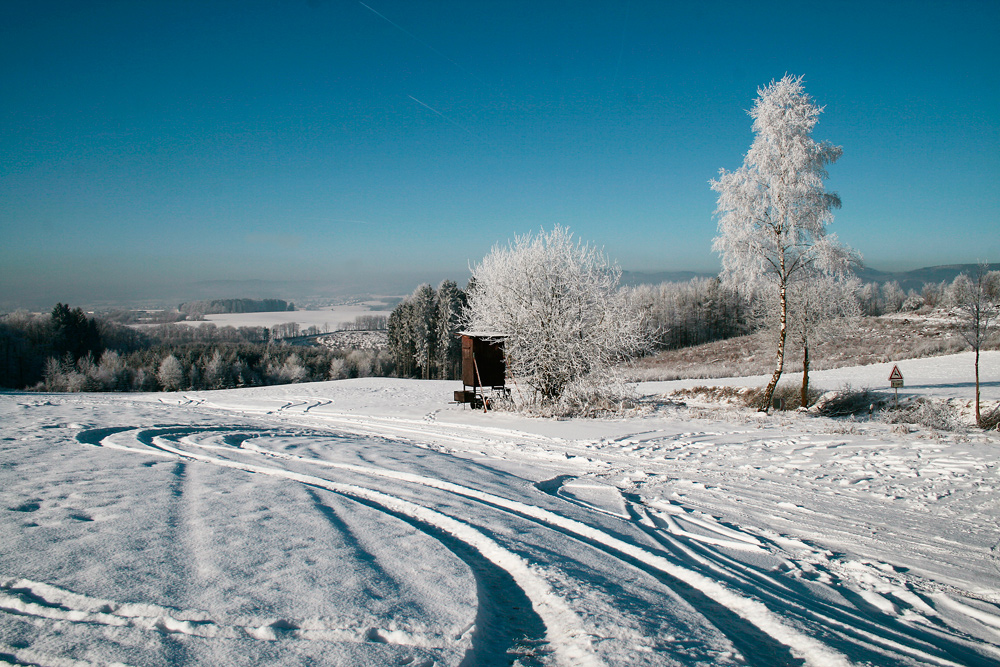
point(566, 638)
point(562, 626)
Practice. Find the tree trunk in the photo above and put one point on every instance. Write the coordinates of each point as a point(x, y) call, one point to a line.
point(779, 361)
point(804, 395)
point(979, 419)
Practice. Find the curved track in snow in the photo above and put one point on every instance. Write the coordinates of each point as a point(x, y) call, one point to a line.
point(769, 619)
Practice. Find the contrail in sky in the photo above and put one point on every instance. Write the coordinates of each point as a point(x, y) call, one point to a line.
point(418, 40)
point(461, 127)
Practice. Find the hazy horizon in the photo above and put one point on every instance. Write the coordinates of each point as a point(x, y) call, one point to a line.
point(151, 146)
point(311, 291)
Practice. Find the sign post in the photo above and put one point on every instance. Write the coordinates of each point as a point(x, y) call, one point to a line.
point(896, 381)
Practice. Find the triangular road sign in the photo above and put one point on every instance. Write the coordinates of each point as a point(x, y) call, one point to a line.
point(895, 374)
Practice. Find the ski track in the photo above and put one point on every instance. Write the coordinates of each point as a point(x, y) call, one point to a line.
point(778, 599)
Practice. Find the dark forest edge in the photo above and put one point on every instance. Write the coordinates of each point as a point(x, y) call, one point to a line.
point(66, 350)
point(196, 310)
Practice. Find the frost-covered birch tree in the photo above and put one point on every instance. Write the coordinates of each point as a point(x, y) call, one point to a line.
point(773, 211)
point(978, 302)
point(557, 304)
point(816, 307)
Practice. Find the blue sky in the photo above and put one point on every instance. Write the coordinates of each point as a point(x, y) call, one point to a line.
point(155, 143)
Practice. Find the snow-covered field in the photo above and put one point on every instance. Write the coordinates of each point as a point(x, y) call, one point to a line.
point(370, 522)
point(947, 377)
point(327, 319)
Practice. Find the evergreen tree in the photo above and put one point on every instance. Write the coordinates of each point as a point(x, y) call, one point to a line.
point(450, 304)
point(73, 333)
point(423, 325)
point(400, 335)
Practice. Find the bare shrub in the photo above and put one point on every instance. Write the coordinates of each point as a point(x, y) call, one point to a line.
point(849, 402)
point(922, 411)
point(848, 427)
point(788, 396)
point(991, 420)
point(590, 397)
point(723, 394)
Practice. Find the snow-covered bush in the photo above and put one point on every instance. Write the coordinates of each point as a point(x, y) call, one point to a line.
point(338, 369)
point(913, 303)
point(289, 372)
point(893, 297)
point(922, 411)
point(170, 373)
point(361, 362)
point(849, 402)
point(557, 304)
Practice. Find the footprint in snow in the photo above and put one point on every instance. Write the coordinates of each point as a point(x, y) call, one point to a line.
point(30, 506)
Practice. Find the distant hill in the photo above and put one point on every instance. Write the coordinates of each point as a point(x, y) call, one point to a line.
point(908, 280)
point(917, 278)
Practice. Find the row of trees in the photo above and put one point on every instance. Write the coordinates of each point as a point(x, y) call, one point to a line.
point(213, 366)
point(66, 350)
point(28, 340)
point(198, 309)
point(366, 323)
point(422, 332)
point(691, 313)
point(682, 314)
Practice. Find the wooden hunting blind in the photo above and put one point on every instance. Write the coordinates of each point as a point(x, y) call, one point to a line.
point(484, 370)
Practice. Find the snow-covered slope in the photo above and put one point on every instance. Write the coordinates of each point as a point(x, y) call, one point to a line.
point(951, 376)
point(370, 522)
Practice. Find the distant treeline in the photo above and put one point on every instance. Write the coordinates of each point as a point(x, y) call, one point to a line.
point(702, 310)
point(66, 350)
point(194, 309)
point(199, 366)
point(366, 323)
point(698, 311)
